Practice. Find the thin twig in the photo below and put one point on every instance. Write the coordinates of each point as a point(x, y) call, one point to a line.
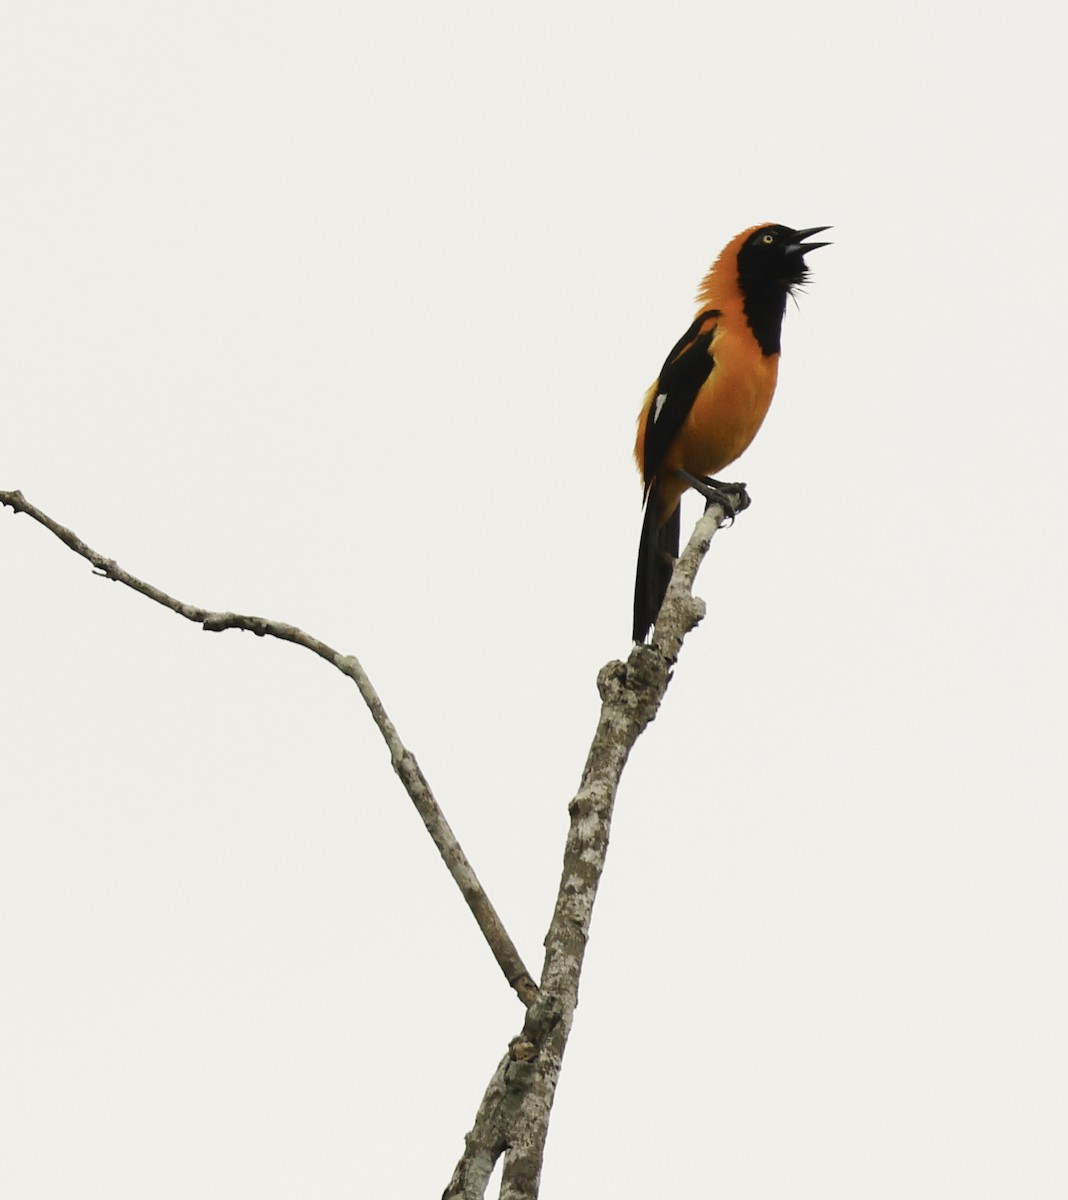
point(513, 1118)
point(403, 760)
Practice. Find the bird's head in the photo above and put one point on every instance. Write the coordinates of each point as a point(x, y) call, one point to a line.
point(772, 258)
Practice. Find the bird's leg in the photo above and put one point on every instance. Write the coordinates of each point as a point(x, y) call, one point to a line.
point(732, 497)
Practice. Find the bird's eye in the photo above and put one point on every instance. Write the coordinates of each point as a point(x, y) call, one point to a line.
point(768, 238)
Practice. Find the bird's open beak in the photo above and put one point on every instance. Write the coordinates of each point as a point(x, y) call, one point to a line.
point(798, 245)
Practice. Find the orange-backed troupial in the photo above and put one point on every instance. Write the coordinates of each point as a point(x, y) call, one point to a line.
point(712, 392)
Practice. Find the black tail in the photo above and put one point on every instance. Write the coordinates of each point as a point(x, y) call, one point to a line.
point(657, 552)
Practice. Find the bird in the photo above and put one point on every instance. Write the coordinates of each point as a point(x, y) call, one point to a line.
point(712, 394)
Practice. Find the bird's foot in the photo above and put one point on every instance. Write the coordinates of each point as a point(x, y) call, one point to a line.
point(731, 497)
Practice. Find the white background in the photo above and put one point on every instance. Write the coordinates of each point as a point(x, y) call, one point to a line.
point(341, 314)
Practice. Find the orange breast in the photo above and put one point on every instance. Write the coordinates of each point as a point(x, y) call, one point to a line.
point(729, 409)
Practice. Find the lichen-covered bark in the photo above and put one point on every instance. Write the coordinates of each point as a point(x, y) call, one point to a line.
point(513, 1118)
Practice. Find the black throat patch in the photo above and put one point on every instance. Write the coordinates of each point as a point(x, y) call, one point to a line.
point(765, 305)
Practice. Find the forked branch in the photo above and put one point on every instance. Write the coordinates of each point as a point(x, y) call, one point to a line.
point(513, 1118)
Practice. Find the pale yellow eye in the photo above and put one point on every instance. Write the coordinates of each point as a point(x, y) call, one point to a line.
point(768, 238)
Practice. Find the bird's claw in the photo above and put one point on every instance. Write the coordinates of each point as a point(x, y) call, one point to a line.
point(731, 497)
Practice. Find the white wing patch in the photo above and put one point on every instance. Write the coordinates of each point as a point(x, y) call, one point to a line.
point(658, 406)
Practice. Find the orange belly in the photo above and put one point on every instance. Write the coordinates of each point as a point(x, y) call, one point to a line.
point(726, 415)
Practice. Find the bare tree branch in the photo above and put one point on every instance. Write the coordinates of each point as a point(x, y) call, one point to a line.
point(404, 763)
point(513, 1118)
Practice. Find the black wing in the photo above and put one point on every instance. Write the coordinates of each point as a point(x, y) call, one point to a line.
point(683, 375)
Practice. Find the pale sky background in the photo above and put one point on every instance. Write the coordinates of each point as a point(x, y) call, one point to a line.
point(341, 314)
